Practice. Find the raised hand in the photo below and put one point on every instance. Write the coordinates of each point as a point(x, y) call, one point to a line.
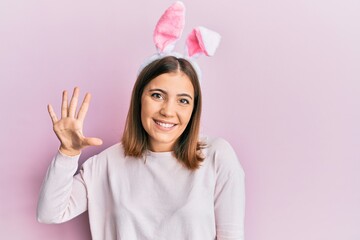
point(69, 129)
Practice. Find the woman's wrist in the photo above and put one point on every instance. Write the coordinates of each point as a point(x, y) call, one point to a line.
point(69, 152)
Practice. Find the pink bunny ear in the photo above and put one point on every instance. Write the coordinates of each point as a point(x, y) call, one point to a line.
point(169, 27)
point(202, 41)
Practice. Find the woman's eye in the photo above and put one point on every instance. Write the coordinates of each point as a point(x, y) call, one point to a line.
point(156, 95)
point(184, 101)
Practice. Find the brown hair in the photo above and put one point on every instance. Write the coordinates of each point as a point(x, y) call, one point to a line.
point(135, 139)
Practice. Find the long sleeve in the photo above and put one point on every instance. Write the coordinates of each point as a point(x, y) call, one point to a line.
point(63, 195)
point(229, 195)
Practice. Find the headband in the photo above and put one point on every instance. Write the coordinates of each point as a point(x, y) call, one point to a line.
point(168, 30)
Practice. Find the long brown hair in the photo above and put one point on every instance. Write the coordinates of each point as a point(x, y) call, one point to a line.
point(135, 139)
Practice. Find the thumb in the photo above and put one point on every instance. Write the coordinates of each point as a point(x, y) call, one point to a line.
point(93, 141)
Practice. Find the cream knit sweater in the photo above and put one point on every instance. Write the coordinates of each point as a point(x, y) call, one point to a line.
point(154, 198)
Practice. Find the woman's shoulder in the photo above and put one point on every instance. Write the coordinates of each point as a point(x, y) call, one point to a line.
point(98, 166)
point(113, 152)
point(216, 144)
point(220, 152)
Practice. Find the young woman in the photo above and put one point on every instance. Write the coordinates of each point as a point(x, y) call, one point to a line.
point(162, 181)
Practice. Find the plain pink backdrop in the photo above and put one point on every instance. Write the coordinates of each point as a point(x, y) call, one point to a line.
point(283, 88)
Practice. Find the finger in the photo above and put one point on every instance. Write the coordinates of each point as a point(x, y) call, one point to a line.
point(73, 102)
point(52, 114)
point(64, 105)
point(84, 107)
point(93, 141)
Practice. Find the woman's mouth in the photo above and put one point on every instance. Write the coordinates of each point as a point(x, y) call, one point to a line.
point(164, 124)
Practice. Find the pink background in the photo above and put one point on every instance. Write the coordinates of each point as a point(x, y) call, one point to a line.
point(283, 88)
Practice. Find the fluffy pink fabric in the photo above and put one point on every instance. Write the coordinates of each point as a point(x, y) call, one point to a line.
point(169, 27)
point(195, 44)
point(202, 40)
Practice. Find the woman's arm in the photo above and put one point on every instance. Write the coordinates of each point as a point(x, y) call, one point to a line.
point(229, 195)
point(63, 195)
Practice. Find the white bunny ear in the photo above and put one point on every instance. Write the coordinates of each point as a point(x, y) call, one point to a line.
point(169, 27)
point(202, 41)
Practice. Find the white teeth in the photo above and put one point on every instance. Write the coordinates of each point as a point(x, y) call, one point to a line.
point(166, 125)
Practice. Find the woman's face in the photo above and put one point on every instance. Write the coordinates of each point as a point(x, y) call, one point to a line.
point(166, 107)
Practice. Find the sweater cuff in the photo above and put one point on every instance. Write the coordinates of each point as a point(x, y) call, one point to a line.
point(63, 154)
point(65, 160)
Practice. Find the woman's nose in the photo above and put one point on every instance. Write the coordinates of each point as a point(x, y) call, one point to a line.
point(167, 109)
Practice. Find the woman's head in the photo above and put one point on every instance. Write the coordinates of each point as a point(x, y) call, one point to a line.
point(165, 109)
point(167, 103)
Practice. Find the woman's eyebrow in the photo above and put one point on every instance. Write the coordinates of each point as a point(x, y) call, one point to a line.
point(157, 90)
point(164, 92)
point(185, 95)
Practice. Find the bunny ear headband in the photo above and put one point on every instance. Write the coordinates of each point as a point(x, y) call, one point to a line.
point(168, 30)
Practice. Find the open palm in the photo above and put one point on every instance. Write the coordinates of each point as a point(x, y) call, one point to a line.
point(69, 129)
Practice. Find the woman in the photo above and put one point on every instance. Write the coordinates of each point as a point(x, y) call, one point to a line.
point(161, 181)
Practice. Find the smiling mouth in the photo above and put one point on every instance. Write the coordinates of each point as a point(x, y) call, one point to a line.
point(165, 125)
